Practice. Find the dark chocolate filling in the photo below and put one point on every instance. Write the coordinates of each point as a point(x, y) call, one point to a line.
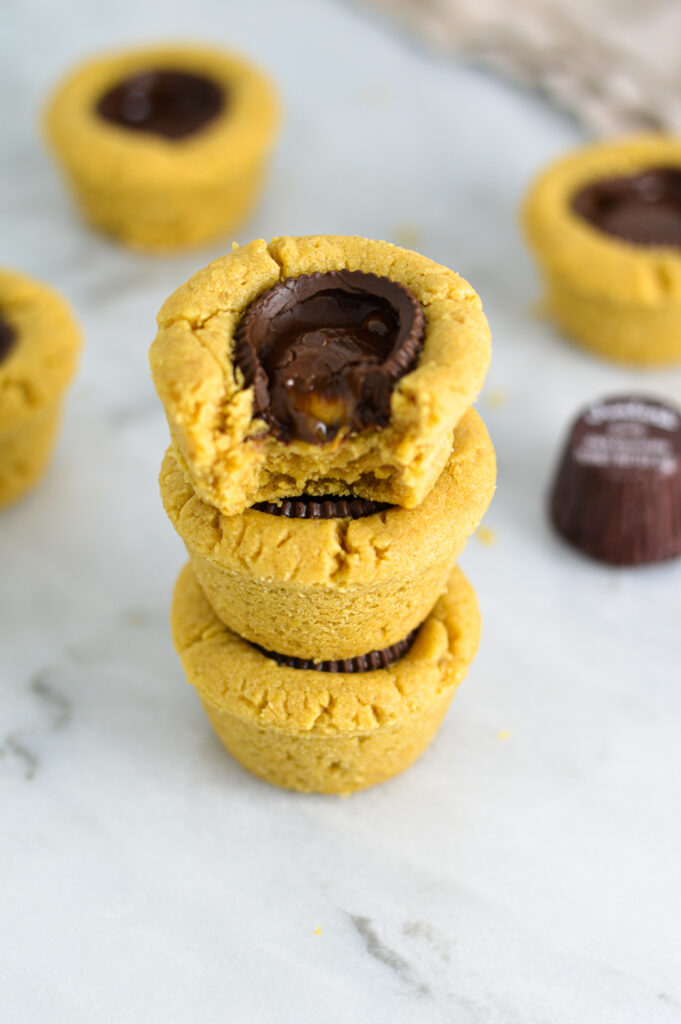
point(642, 208)
point(361, 663)
point(326, 506)
point(617, 492)
point(166, 102)
point(323, 352)
point(8, 337)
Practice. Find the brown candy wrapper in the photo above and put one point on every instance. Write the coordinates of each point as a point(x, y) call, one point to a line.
point(617, 493)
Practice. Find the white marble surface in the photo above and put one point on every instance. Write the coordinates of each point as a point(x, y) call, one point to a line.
point(146, 877)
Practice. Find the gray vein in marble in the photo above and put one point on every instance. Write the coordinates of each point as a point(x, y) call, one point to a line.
point(385, 955)
point(76, 655)
point(470, 1011)
point(26, 759)
point(421, 931)
point(57, 709)
point(57, 705)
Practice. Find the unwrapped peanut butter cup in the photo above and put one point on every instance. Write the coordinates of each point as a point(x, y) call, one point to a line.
point(617, 493)
point(164, 101)
point(643, 208)
point(324, 351)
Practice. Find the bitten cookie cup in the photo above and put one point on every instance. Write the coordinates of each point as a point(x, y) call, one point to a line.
point(179, 157)
point(233, 457)
point(334, 588)
point(605, 226)
point(39, 346)
point(326, 732)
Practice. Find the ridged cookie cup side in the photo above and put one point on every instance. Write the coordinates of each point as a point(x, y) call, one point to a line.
point(325, 732)
point(334, 588)
point(39, 351)
point(233, 460)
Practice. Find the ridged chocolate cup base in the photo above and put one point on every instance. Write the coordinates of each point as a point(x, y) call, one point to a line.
point(617, 523)
point(326, 506)
point(360, 663)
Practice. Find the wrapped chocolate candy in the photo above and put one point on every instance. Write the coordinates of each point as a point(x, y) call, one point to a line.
point(617, 493)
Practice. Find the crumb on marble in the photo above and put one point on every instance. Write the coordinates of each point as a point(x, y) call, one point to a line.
point(503, 735)
point(318, 930)
point(495, 398)
point(486, 535)
point(407, 235)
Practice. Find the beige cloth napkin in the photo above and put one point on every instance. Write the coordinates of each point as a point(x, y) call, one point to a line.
point(616, 64)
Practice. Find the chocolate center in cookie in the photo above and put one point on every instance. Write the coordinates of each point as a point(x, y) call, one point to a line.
point(163, 102)
point(641, 208)
point(327, 506)
point(324, 351)
point(8, 337)
point(361, 663)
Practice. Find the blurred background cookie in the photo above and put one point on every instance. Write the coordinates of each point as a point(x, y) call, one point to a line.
point(164, 147)
point(604, 223)
point(39, 345)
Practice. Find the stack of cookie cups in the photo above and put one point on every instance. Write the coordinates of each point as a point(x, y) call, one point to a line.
point(326, 469)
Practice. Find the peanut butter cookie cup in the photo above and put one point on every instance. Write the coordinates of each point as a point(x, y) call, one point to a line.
point(338, 728)
point(332, 578)
point(39, 345)
point(164, 147)
point(318, 365)
point(605, 226)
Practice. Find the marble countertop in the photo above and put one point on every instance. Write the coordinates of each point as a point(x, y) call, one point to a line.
point(527, 868)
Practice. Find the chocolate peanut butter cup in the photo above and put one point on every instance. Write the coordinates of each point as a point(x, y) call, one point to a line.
point(643, 208)
point(8, 337)
point(323, 352)
point(326, 506)
point(617, 492)
point(163, 101)
point(360, 663)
